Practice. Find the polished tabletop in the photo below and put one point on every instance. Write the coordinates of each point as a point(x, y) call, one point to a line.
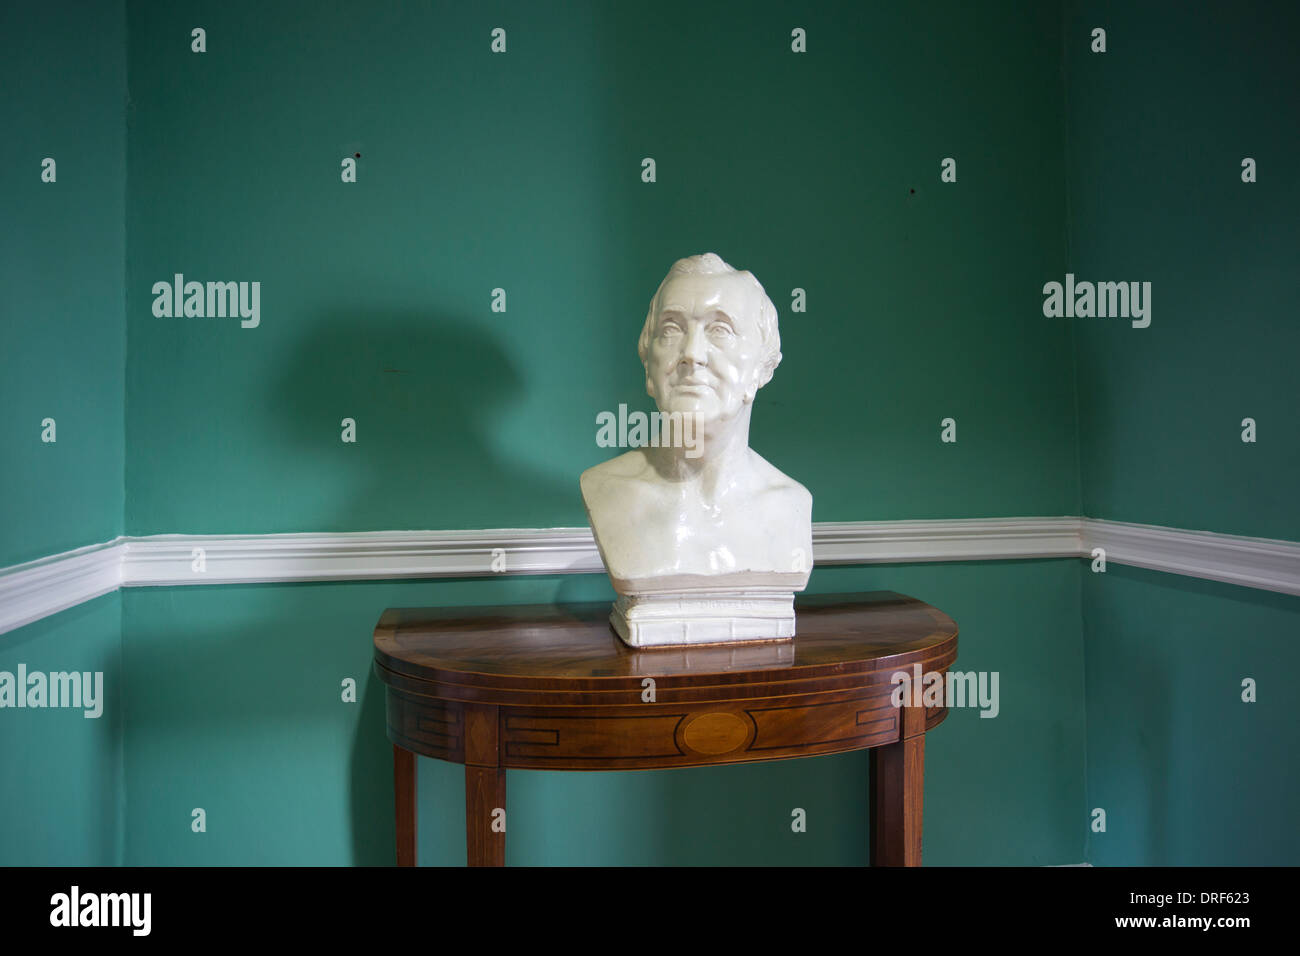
point(840, 639)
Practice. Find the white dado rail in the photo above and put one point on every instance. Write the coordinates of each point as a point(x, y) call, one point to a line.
point(37, 589)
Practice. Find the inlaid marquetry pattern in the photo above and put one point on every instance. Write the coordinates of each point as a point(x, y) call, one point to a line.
point(544, 739)
point(432, 727)
point(651, 736)
point(715, 733)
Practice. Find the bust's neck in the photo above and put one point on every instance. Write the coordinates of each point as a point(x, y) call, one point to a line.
point(718, 462)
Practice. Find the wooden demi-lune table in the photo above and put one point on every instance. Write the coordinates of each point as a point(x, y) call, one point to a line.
point(551, 687)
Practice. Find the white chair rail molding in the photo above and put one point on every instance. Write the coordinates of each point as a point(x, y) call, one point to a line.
point(37, 589)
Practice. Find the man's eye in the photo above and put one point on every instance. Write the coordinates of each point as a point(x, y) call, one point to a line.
point(720, 330)
point(669, 330)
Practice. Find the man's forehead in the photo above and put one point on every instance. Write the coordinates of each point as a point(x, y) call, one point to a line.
point(706, 293)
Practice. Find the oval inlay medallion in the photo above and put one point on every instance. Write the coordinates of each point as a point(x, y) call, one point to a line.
point(715, 733)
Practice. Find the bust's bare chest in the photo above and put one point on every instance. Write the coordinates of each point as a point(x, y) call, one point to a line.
point(654, 529)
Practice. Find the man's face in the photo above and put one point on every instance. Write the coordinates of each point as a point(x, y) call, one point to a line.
point(705, 350)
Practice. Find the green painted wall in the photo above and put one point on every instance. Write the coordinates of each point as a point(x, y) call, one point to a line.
point(62, 789)
point(62, 259)
point(62, 356)
point(1187, 773)
point(522, 171)
point(1157, 129)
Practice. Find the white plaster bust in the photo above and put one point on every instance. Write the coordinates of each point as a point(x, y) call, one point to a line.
point(707, 513)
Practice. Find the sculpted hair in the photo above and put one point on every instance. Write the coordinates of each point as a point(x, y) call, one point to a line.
point(711, 264)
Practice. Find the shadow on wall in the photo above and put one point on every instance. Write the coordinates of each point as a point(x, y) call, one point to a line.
point(426, 394)
point(371, 793)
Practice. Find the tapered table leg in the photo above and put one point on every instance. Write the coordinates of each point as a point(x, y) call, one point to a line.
point(897, 797)
point(404, 790)
point(485, 815)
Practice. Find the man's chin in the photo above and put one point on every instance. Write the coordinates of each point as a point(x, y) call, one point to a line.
point(704, 412)
point(703, 408)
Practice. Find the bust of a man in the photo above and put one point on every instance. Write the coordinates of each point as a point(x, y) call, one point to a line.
point(702, 511)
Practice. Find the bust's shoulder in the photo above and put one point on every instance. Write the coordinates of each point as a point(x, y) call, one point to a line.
point(626, 467)
point(776, 482)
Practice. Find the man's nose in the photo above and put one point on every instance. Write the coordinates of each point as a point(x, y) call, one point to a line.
point(696, 347)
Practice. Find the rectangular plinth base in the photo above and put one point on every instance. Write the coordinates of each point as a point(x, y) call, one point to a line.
point(671, 619)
